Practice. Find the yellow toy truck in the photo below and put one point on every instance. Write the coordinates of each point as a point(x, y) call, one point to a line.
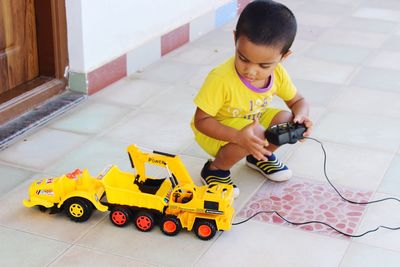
point(174, 202)
point(77, 193)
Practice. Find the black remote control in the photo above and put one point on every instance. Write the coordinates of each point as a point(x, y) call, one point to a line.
point(284, 133)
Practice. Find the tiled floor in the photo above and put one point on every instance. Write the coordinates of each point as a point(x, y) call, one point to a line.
point(346, 62)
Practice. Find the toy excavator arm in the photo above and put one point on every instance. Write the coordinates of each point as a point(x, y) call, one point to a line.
point(172, 163)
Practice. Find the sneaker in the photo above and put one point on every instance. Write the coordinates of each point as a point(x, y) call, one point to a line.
point(209, 177)
point(272, 168)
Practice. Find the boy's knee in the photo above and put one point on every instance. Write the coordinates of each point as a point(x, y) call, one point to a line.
point(281, 117)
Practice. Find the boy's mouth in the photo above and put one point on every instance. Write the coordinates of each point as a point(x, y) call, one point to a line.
point(249, 79)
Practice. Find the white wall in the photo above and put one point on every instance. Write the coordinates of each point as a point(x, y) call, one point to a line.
point(101, 30)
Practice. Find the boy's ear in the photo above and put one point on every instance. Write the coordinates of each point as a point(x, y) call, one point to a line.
point(286, 55)
point(234, 36)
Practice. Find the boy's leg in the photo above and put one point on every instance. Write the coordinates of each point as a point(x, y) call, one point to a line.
point(273, 169)
point(229, 154)
point(226, 154)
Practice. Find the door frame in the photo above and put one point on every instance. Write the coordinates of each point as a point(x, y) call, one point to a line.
point(51, 28)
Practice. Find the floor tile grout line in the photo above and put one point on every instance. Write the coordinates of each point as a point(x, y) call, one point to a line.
point(20, 167)
point(345, 252)
point(60, 255)
point(375, 246)
point(354, 145)
point(34, 234)
point(103, 251)
point(384, 175)
point(17, 187)
point(213, 241)
point(76, 243)
point(90, 138)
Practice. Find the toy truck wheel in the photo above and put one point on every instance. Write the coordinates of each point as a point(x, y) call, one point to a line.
point(78, 209)
point(205, 230)
point(170, 225)
point(42, 208)
point(120, 216)
point(144, 221)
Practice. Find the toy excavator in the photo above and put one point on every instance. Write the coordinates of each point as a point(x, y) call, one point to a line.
point(174, 202)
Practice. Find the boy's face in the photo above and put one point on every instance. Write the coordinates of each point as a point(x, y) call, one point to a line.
point(255, 62)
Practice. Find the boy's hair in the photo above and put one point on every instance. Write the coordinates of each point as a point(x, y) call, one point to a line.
point(265, 22)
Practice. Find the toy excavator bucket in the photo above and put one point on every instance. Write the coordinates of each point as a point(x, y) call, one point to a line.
point(172, 177)
point(130, 159)
point(132, 151)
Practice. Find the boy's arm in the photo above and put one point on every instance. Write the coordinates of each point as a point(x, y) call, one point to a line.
point(300, 109)
point(245, 137)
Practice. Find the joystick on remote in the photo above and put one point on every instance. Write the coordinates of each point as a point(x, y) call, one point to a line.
point(285, 133)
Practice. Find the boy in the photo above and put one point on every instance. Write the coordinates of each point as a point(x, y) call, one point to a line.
point(233, 104)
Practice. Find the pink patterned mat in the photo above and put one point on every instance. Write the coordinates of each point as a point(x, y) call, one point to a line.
point(300, 200)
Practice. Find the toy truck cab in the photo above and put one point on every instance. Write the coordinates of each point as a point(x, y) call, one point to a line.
point(77, 193)
point(203, 209)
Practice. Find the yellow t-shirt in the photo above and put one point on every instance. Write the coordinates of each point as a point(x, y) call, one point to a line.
point(224, 95)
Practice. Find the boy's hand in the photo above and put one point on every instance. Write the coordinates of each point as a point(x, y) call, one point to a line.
point(248, 139)
point(302, 119)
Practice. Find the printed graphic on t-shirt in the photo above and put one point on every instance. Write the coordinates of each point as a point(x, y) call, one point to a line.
point(255, 108)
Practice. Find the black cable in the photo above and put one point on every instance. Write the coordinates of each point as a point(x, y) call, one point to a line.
point(319, 222)
point(338, 192)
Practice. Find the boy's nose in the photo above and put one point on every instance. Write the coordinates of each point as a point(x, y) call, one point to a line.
point(250, 72)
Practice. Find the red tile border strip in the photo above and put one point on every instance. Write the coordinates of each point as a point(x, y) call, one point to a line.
point(174, 39)
point(107, 74)
point(301, 200)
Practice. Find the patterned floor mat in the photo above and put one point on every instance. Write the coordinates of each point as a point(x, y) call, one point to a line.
point(300, 200)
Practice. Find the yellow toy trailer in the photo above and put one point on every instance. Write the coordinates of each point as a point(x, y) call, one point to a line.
point(77, 193)
point(175, 202)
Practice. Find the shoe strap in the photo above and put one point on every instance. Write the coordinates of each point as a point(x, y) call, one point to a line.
point(211, 179)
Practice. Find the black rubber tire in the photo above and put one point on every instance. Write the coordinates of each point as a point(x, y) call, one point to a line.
point(120, 216)
point(144, 221)
point(205, 230)
point(168, 222)
point(42, 208)
point(78, 209)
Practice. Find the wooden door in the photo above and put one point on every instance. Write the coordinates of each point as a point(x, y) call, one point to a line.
point(33, 54)
point(18, 44)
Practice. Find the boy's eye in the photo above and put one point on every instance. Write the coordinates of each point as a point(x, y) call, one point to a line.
point(243, 59)
point(264, 66)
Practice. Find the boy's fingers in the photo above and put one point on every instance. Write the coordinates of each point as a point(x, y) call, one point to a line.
point(265, 154)
point(298, 119)
point(262, 151)
point(308, 132)
point(255, 122)
point(266, 143)
point(259, 156)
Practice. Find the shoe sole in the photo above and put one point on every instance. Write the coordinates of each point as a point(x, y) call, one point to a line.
point(203, 181)
point(255, 167)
